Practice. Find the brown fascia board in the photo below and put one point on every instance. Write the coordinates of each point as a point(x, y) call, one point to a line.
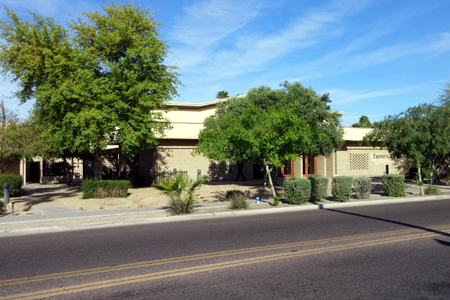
point(213, 103)
point(194, 105)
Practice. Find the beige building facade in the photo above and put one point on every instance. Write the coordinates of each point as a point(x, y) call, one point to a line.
point(176, 150)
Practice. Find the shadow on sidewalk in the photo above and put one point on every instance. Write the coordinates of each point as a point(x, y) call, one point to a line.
point(38, 193)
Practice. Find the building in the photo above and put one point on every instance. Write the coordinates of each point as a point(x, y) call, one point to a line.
point(175, 151)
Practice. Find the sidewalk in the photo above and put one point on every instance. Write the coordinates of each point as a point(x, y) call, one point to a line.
point(55, 217)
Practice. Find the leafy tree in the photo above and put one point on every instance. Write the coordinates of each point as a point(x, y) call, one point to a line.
point(444, 98)
point(363, 122)
point(222, 95)
point(17, 140)
point(421, 133)
point(270, 127)
point(102, 80)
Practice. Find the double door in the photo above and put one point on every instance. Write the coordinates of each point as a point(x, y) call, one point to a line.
point(309, 167)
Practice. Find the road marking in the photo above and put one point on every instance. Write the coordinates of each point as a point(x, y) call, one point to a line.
point(84, 272)
point(208, 267)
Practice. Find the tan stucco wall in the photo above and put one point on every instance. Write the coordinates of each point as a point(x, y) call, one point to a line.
point(355, 133)
point(178, 154)
point(365, 161)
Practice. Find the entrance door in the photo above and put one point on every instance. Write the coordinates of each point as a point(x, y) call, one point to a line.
point(287, 170)
point(309, 166)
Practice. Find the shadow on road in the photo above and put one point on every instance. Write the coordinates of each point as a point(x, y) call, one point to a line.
point(394, 222)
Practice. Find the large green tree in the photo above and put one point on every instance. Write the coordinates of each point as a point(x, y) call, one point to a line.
point(17, 140)
point(101, 80)
point(270, 127)
point(421, 133)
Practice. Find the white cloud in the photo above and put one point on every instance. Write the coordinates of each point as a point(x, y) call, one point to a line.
point(352, 59)
point(44, 7)
point(340, 97)
point(203, 29)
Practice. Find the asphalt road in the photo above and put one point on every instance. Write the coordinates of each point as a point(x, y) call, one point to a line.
point(398, 251)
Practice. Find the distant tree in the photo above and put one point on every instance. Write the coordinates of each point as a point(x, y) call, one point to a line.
point(270, 127)
point(363, 122)
point(17, 140)
point(444, 98)
point(421, 133)
point(103, 80)
point(222, 95)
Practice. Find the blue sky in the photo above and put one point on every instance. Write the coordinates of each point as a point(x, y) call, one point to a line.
point(374, 57)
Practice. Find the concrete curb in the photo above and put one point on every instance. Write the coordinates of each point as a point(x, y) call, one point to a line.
point(127, 219)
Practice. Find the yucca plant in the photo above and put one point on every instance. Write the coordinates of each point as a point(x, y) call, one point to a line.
point(181, 192)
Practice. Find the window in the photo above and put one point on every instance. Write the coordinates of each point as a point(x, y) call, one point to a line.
point(287, 170)
point(309, 165)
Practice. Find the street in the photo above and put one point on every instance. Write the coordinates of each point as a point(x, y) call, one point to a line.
point(397, 251)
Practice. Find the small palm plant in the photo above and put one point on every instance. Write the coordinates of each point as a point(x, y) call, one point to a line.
point(181, 192)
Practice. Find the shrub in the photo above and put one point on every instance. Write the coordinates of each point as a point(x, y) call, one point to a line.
point(2, 207)
point(238, 201)
point(341, 188)
point(426, 173)
point(95, 188)
point(276, 200)
point(181, 192)
point(233, 193)
point(297, 190)
point(319, 187)
point(15, 184)
point(363, 187)
point(431, 190)
point(393, 185)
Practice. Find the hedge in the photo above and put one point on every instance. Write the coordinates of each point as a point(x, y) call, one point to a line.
point(297, 190)
point(393, 185)
point(95, 188)
point(319, 187)
point(363, 187)
point(341, 188)
point(15, 184)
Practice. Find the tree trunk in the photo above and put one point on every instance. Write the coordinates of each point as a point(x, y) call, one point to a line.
point(270, 180)
point(97, 165)
point(67, 171)
point(419, 170)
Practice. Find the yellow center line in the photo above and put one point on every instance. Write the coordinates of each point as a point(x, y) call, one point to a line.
point(207, 267)
point(16, 281)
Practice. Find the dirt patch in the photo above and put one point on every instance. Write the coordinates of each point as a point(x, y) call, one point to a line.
point(149, 197)
point(20, 209)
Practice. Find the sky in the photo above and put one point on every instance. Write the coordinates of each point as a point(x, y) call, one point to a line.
point(374, 57)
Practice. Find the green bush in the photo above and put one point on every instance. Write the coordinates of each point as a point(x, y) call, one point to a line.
point(393, 185)
point(426, 173)
point(15, 184)
point(297, 190)
point(431, 190)
point(233, 193)
point(2, 207)
point(95, 188)
point(276, 200)
point(319, 187)
point(238, 201)
point(363, 187)
point(341, 188)
point(181, 192)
